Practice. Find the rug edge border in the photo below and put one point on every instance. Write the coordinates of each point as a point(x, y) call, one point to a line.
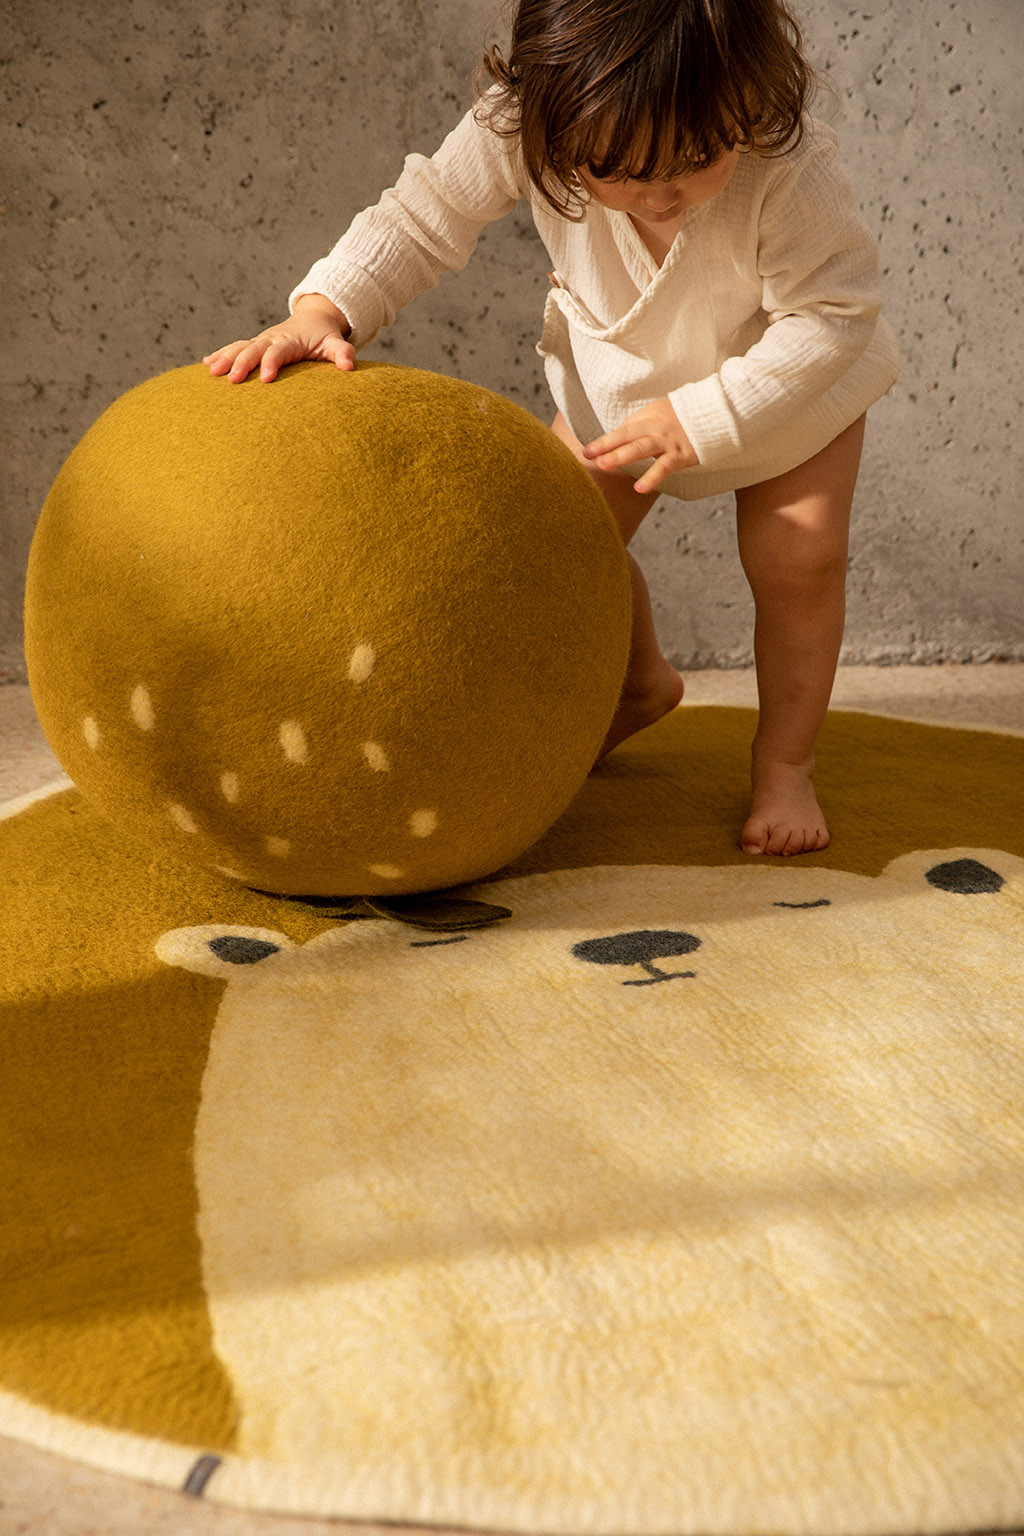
point(13, 807)
point(259, 1488)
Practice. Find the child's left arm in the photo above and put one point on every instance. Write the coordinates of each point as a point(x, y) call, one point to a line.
point(818, 268)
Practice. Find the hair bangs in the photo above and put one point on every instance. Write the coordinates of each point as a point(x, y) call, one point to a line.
point(645, 90)
point(652, 133)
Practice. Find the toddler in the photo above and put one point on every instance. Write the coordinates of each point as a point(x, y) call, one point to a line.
point(713, 322)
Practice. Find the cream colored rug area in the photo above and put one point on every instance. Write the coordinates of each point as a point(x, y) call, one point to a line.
point(686, 1200)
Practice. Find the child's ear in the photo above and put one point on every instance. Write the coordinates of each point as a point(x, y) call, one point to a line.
point(218, 950)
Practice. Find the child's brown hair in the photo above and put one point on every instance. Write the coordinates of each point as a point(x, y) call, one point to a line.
point(644, 88)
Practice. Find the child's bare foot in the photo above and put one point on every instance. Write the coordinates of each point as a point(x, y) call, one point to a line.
point(785, 816)
point(645, 698)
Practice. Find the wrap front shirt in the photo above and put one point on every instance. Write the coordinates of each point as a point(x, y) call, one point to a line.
point(762, 325)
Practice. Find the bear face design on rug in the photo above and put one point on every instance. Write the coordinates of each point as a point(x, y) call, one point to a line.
point(671, 1162)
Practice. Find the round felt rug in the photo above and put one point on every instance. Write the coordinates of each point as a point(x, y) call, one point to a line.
point(688, 1198)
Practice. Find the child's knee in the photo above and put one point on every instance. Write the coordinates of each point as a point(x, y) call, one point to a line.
point(800, 571)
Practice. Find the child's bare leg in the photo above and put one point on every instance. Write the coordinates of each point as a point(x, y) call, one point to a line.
point(793, 536)
point(652, 686)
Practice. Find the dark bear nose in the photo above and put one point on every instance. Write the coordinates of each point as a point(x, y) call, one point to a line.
point(641, 947)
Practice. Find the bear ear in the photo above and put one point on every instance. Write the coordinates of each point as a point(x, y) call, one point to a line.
point(218, 950)
point(959, 871)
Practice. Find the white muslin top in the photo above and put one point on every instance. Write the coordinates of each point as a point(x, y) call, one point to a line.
point(762, 326)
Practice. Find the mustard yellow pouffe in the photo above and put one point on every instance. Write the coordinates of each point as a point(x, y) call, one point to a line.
point(343, 634)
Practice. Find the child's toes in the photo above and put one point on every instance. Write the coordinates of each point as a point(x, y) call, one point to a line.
point(807, 840)
point(786, 840)
point(755, 835)
point(782, 838)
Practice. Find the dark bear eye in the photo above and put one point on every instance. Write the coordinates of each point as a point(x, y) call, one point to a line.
point(238, 950)
point(965, 877)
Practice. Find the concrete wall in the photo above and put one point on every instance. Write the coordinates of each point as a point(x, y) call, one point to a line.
point(170, 170)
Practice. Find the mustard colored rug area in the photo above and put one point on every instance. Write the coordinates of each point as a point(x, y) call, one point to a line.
point(687, 1200)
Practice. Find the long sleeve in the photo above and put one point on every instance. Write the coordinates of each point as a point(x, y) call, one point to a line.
point(818, 267)
point(428, 223)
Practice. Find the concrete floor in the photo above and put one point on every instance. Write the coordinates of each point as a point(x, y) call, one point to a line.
point(44, 1495)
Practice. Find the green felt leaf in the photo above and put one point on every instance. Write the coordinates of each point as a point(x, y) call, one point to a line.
point(437, 913)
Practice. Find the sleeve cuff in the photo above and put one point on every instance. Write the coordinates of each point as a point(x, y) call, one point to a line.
point(355, 294)
point(708, 420)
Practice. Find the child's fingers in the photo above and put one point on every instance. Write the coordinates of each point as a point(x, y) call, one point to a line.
point(246, 360)
point(229, 359)
point(267, 353)
point(270, 352)
point(655, 476)
point(283, 349)
point(340, 352)
point(239, 358)
point(291, 349)
point(221, 360)
point(652, 433)
point(632, 449)
point(608, 442)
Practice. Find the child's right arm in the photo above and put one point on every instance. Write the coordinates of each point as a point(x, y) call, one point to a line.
point(425, 225)
point(316, 328)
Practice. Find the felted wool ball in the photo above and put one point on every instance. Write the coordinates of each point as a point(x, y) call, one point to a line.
point(343, 634)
